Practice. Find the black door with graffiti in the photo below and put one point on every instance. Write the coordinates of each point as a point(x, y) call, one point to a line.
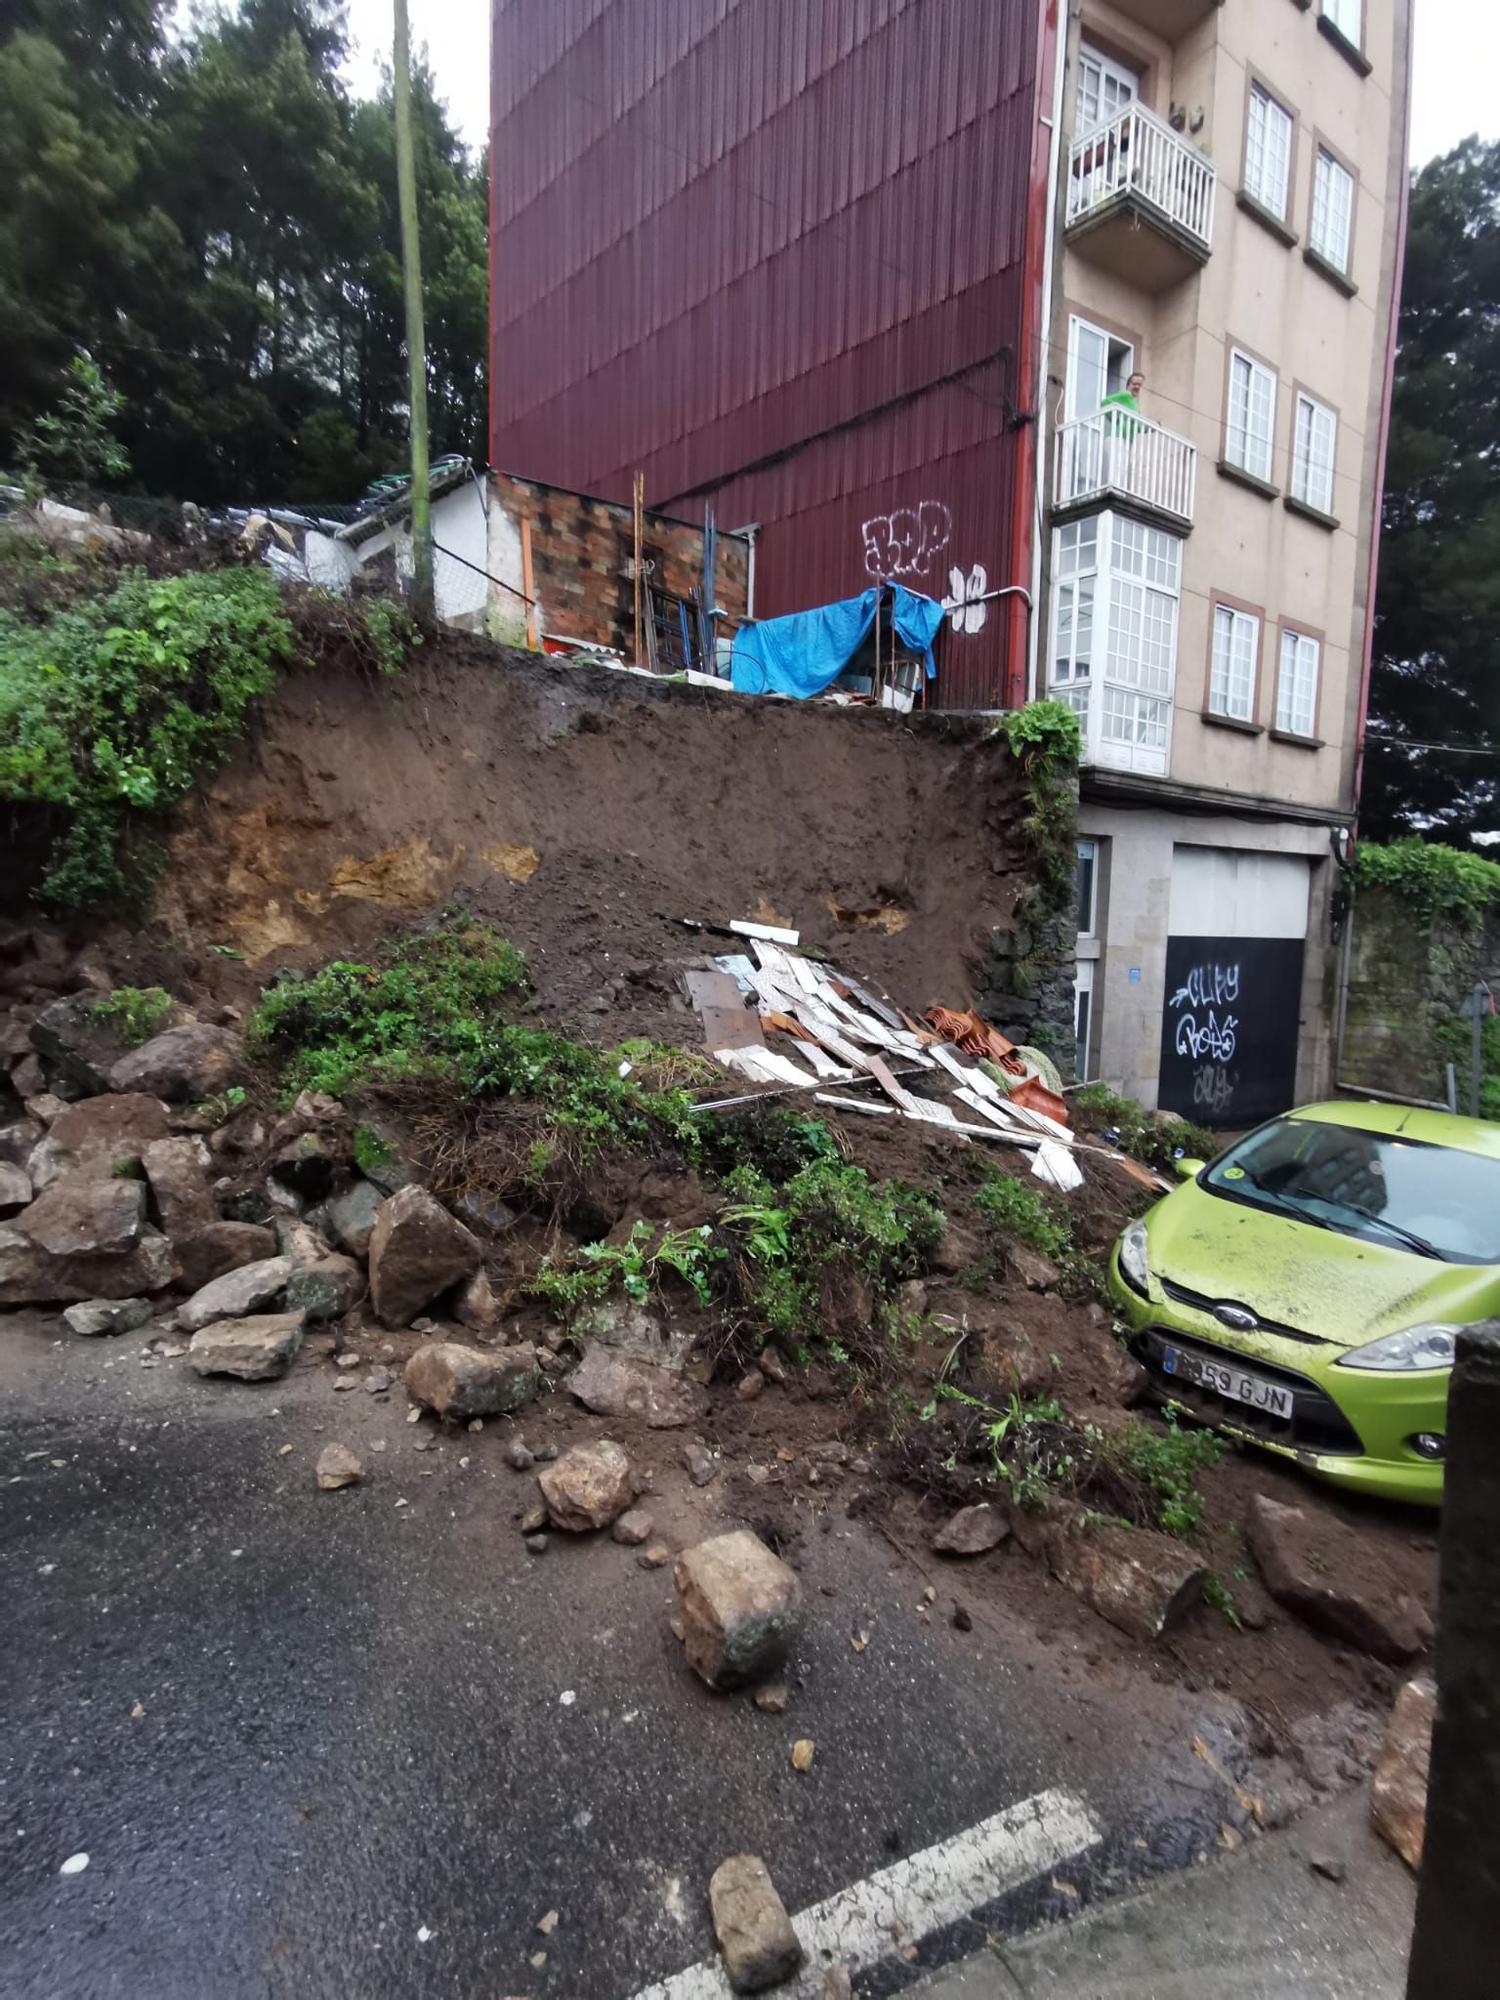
point(1229, 1029)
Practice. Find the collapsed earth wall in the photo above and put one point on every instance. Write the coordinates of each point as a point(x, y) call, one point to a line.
point(588, 812)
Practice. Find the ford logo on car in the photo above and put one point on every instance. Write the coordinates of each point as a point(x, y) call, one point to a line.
point(1239, 1317)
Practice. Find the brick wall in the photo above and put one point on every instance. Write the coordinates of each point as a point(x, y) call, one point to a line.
point(581, 550)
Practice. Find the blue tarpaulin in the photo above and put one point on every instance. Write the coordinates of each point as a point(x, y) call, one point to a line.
point(805, 652)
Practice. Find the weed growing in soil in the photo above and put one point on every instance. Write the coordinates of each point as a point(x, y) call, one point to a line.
point(221, 1107)
point(1144, 1136)
point(636, 1265)
point(1167, 1463)
point(134, 1012)
point(1022, 1211)
point(1217, 1596)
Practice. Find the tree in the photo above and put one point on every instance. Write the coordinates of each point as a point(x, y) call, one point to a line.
point(76, 442)
point(214, 220)
point(1436, 674)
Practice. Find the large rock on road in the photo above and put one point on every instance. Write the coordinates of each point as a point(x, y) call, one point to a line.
point(588, 1487)
point(466, 1382)
point(417, 1252)
point(1333, 1577)
point(257, 1349)
point(741, 1608)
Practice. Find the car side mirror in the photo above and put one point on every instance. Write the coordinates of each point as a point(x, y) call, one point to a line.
point(1189, 1170)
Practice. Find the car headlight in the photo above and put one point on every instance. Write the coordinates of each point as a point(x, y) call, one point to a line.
point(1430, 1346)
point(1134, 1266)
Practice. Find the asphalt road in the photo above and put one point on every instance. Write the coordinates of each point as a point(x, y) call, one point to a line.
point(321, 1745)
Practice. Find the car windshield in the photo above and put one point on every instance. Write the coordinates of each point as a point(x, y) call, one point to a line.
point(1432, 1200)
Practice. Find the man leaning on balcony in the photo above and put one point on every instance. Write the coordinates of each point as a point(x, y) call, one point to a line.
point(1123, 425)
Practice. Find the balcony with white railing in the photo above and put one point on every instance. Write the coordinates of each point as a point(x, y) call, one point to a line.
point(1116, 455)
point(1140, 200)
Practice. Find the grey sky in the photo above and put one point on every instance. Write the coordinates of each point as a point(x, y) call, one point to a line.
point(1457, 47)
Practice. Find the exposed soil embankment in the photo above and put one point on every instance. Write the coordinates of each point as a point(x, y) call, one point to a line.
point(587, 812)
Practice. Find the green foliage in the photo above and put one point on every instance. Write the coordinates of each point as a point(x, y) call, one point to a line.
point(1143, 1135)
point(1216, 1595)
point(74, 444)
point(428, 1012)
point(636, 1266)
point(1022, 1211)
point(1045, 740)
point(371, 1152)
point(119, 704)
point(197, 202)
point(827, 1218)
point(1436, 674)
point(1456, 1039)
point(1437, 881)
point(1169, 1462)
point(1035, 1449)
point(134, 1012)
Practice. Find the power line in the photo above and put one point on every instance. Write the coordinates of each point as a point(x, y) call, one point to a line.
point(1449, 749)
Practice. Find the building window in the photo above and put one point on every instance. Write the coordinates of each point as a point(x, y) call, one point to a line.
point(1099, 365)
point(1332, 210)
point(1113, 654)
point(1087, 883)
point(1345, 16)
point(1083, 1012)
point(1231, 679)
point(1313, 439)
point(1105, 88)
point(1297, 684)
point(1252, 415)
point(1268, 152)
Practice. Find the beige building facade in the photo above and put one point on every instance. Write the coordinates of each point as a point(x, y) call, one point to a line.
point(1227, 218)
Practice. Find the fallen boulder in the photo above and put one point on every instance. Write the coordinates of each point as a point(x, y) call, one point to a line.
point(19, 1139)
point(351, 1217)
point(616, 1385)
point(1398, 1794)
point(324, 1284)
point(256, 1349)
point(86, 1218)
point(750, 1921)
point(740, 1607)
point(1036, 1272)
point(972, 1531)
point(475, 1304)
point(30, 1275)
point(1332, 1577)
point(177, 1175)
point(417, 1251)
point(339, 1466)
point(97, 1135)
point(97, 1318)
point(588, 1487)
point(192, 1061)
point(80, 1040)
point(236, 1294)
point(206, 1254)
point(467, 1382)
point(1140, 1581)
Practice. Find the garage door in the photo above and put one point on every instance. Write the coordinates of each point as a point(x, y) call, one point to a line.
point(1237, 930)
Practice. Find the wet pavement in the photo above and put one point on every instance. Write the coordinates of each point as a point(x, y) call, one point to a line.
point(329, 1745)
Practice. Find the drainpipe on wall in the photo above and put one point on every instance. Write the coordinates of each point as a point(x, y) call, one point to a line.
point(1031, 361)
point(1049, 270)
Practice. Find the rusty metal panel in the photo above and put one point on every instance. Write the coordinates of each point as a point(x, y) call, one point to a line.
point(772, 250)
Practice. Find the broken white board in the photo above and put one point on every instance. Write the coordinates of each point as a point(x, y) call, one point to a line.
point(767, 933)
point(1056, 1166)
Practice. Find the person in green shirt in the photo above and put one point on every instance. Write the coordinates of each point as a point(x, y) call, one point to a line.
point(1123, 426)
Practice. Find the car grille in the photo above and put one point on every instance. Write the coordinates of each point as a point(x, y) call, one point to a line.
point(1203, 1303)
point(1316, 1423)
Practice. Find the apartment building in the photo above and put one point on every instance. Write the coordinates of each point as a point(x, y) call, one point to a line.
point(874, 278)
point(1228, 209)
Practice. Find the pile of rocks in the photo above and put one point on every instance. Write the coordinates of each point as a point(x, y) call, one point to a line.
point(127, 1195)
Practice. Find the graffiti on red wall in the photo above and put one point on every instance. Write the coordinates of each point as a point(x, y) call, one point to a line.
point(906, 541)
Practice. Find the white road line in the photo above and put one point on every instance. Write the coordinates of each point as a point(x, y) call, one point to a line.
point(922, 1894)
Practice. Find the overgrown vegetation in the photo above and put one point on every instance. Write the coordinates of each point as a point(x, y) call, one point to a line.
point(1021, 1211)
point(134, 1012)
point(117, 705)
point(636, 1266)
point(1046, 742)
point(1145, 1135)
point(1438, 882)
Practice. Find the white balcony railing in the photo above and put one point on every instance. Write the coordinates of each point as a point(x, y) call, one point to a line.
point(1138, 154)
point(1115, 452)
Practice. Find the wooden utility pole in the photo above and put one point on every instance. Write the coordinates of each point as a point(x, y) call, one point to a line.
point(416, 340)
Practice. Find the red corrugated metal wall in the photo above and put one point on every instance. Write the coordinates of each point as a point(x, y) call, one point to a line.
point(773, 249)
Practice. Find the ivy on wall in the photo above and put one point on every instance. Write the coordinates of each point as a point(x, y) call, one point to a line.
point(1032, 964)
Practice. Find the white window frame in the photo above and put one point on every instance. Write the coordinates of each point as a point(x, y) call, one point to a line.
point(1088, 913)
point(1348, 17)
point(1102, 90)
point(1249, 428)
point(1315, 440)
point(1124, 697)
point(1118, 357)
point(1269, 131)
point(1234, 654)
point(1330, 231)
point(1299, 664)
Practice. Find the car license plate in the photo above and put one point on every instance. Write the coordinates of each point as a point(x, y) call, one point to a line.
point(1238, 1385)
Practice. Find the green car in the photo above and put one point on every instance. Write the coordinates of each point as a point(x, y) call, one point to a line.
point(1304, 1291)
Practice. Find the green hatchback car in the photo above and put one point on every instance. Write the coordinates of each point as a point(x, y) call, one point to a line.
point(1304, 1291)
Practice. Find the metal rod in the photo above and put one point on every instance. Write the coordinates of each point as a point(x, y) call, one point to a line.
point(416, 342)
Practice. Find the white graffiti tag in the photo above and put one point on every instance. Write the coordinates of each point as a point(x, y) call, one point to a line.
point(903, 543)
point(1212, 1037)
point(1213, 1087)
point(1209, 985)
point(965, 613)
